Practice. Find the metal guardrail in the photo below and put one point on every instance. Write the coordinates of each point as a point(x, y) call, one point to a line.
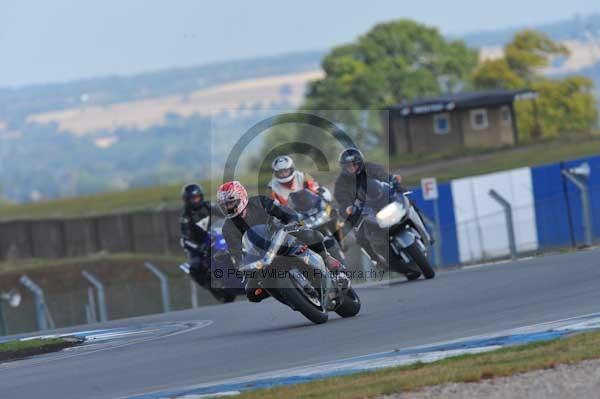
point(43, 316)
point(164, 285)
point(510, 228)
point(101, 294)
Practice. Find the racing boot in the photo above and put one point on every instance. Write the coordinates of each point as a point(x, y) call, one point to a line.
point(338, 271)
point(379, 261)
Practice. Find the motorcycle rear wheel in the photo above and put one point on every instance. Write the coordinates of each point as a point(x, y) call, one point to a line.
point(351, 305)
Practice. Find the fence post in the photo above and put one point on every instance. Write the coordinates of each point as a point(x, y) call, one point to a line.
point(92, 305)
point(2, 321)
point(509, 221)
point(437, 248)
point(43, 317)
point(101, 295)
point(164, 285)
point(578, 176)
point(193, 293)
point(166, 230)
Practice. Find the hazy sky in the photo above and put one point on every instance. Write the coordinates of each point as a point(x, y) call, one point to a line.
point(57, 40)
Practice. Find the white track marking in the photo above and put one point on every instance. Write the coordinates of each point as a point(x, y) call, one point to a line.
point(29, 362)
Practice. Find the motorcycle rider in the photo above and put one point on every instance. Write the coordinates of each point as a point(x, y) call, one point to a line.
point(286, 180)
point(348, 187)
point(242, 213)
point(195, 227)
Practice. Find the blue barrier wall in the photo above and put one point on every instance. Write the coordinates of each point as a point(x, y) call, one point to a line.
point(557, 206)
point(558, 203)
point(447, 221)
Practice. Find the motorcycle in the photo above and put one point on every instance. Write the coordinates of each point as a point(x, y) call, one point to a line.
point(395, 229)
point(317, 213)
point(294, 274)
point(219, 280)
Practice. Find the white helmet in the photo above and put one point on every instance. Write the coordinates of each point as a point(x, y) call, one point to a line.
point(283, 169)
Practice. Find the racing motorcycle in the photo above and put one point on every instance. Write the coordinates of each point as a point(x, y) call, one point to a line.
point(220, 281)
point(317, 213)
point(395, 229)
point(294, 274)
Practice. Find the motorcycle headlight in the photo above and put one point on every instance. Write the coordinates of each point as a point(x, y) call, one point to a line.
point(390, 215)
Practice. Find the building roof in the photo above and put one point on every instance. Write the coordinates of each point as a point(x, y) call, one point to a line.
point(451, 102)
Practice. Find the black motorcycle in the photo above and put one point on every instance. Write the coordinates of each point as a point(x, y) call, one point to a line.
point(295, 275)
point(317, 213)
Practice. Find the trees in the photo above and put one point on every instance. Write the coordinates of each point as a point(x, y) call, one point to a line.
point(564, 106)
point(395, 61)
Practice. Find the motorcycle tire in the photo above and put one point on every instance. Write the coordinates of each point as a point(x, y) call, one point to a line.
point(222, 295)
point(414, 251)
point(412, 276)
point(351, 304)
point(297, 301)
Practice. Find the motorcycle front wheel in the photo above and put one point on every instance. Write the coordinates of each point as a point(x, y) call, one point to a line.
point(414, 251)
point(298, 300)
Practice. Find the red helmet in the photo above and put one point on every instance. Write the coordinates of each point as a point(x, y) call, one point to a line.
point(232, 198)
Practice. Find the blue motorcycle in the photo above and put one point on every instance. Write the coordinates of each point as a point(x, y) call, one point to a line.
point(220, 280)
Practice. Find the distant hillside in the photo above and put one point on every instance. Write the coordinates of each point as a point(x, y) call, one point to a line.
point(272, 92)
point(119, 132)
point(17, 104)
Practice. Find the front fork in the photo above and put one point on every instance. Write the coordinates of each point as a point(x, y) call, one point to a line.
point(403, 240)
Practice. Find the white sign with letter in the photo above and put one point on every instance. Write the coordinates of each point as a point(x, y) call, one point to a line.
point(429, 188)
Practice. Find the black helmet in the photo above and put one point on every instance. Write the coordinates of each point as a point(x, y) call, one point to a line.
point(351, 161)
point(192, 195)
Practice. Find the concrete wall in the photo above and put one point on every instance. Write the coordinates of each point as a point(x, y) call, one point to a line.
point(143, 232)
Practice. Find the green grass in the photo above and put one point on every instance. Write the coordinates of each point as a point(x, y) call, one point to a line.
point(487, 161)
point(130, 200)
point(13, 346)
point(13, 350)
point(448, 166)
point(466, 368)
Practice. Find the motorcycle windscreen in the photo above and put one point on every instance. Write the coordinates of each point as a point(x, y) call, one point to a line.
point(256, 240)
point(375, 194)
point(303, 201)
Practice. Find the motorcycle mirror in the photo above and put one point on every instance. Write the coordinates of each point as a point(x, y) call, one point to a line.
point(13, 297)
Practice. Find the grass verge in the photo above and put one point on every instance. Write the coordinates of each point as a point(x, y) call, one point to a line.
point(466, 368)
point(444, 165)
point(471, 162)
point(14, 350)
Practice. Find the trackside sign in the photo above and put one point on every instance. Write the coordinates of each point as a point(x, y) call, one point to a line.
point(430, 188)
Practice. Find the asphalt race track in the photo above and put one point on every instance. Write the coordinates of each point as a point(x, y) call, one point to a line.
point(221, 342)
